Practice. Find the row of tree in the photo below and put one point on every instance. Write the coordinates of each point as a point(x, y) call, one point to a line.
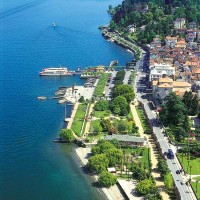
point(175, 111)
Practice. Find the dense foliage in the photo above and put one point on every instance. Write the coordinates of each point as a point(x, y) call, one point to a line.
point(67, 134)
point(119, 77)
point(174, 112)
point(125, 91)
point(104, 155)
point(120, 105)
point(162, 166)
point(145, 187)
point(157, 16)
point(107, 179)
point(101, 105)
point(168, 181)
point(191, 102)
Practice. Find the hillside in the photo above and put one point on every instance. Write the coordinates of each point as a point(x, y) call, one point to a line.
point(153, 17)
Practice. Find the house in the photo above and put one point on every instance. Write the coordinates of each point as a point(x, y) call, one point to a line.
point(181, 44)
point(165, 85)
point(190, 37)
point(127, 140)
point(192, 25)
point(131, 28)
point(179, 23)
point(170, 41)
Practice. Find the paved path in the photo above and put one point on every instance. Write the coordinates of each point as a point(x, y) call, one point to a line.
point(153, 152)
point(87, 127)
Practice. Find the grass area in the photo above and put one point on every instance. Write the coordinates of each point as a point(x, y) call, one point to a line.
point(99, 90)
point(133, 37)
point(101, 114)
point(197, 178)
point(93, 124)
point(78, 119)
point(196, 188)
point(140, 155)
point(194, 162)
point(144, 120)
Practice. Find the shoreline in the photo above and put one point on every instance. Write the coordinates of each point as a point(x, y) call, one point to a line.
point(112, 193)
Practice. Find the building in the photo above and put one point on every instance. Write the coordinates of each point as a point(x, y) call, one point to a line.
point(127, 140)
point(158, 70)
point(165, 85)
point(192, 25)
point(131, 28)
point(99, 68)
point(170, 41)
point(179, 23)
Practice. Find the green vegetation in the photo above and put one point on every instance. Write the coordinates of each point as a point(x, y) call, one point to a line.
point(156, 17)
point(145, 187)
point(78, 119)
point(162, 167)
point(101, 105)
point(119, 77)
point(107, 179)
point(196, 188)
point(144, 120)
point(168, 181)
point(191, 102)
point(101, 114)
point(101, 157)
point(178, 122)
point(120, 106)
point(99, 90)
point(67, 134)
point(190, 162)
point(125, 91)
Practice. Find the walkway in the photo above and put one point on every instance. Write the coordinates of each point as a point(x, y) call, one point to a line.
point(87, 126)
point(154, 154)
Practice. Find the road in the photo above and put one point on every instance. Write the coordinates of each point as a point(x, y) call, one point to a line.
point(110, 85)
point(173, 164)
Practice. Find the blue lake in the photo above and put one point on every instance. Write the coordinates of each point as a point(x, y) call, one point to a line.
point(32, 167)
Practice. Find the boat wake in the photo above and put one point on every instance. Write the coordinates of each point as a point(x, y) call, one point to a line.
point(19, 9)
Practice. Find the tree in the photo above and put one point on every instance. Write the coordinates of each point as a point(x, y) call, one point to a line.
point(162, 166)
point(114, 156)
point(115, 142)
point(179, 133)
point(125, 91)
point(98, 163)
point(145, 187)
point(67, 134)
point(191, 103)
point(81, 100)
point(122, 126)
point(168, 181)
point(102, 147)
point(139, 173)
point(97, 129)
point(101, 105)
point(119, 103)
point(106, 124)
point(107, 179)
point(176, 106)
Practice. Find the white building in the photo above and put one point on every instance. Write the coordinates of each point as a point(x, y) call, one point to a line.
point(158, 70)
point(179, 23)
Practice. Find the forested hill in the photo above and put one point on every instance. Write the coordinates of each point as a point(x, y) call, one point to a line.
point(157, 16)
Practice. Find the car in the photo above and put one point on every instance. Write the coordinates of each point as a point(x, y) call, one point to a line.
point(178, 171)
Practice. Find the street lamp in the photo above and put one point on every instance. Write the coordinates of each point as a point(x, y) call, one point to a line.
point(190, 172)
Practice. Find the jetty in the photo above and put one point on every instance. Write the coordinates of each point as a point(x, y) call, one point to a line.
point(113, 63)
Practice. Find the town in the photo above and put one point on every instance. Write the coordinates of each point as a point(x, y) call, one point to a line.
point(140, 127)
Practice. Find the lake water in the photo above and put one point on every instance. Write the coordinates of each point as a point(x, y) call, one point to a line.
point(32, 167)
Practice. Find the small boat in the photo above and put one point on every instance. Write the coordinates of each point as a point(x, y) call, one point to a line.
point(41, 98)
point(53, 24)
point(61, 101)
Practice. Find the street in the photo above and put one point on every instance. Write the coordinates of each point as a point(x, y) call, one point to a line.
point(173, 164)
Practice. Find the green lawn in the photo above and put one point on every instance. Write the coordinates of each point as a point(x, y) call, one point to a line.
point(101, 114)
point(194, 162)
point(144, 159)
point(144, 120)
point(78, 119)
point(196, 188)
point(93, 124)
point(197, 178)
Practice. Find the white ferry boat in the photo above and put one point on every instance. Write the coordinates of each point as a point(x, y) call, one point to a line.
point(61, 71)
